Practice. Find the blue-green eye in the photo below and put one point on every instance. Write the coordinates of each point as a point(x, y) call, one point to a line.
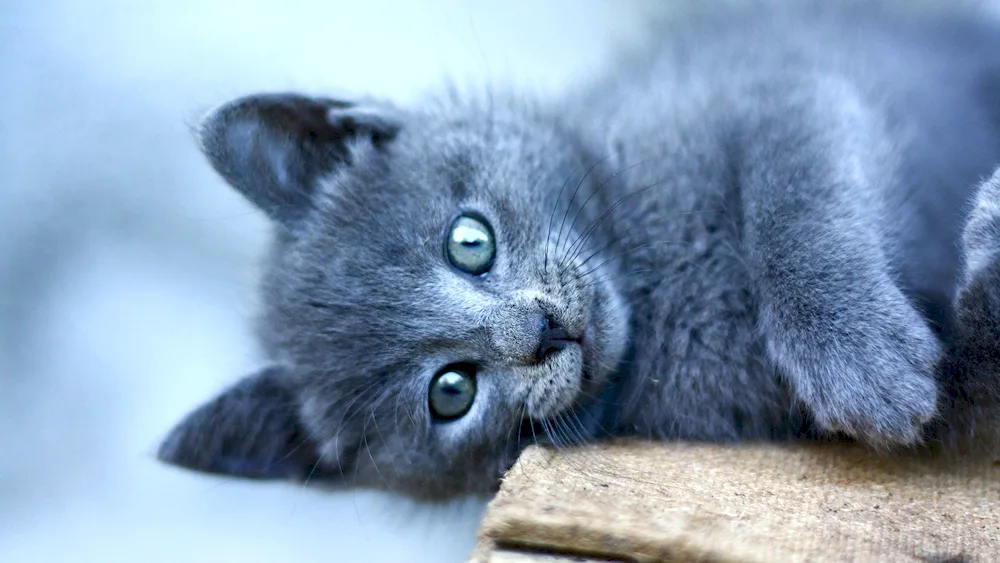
point(471, 246)
point(452, 393)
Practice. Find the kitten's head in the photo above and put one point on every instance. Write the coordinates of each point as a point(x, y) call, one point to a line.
point(430, 301)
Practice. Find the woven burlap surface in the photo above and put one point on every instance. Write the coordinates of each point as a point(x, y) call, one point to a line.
point(766, 503)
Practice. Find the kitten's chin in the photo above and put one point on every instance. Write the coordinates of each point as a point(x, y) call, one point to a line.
point(581, 370)
point(555, 384)
point(558, 384)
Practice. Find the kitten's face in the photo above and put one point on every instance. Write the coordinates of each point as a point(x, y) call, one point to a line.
point(435, 297)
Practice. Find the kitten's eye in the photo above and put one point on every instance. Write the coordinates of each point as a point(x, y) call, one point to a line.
point(452, 392)
point(471, 246)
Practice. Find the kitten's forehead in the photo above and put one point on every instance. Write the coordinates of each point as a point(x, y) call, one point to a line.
point(504, 172)
point(488, 150)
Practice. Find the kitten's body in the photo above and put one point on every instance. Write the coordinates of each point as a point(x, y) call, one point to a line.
point(750, 229)
point(775, 97)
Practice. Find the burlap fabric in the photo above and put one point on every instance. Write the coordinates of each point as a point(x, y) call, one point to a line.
point(768, 503)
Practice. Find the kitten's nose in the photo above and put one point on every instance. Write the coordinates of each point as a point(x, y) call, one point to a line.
point(552, 337)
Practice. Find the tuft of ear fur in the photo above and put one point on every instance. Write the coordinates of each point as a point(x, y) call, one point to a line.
point(251, 430)
point(274, 147)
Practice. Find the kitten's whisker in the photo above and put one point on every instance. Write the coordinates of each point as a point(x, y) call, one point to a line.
point(395, 420)
point(552, 215)
point(593, 226)
point(344, 419)
point(587, 395)
point(571, 435)
point(569, 204)
point(360, 392)
point(520, 422)
point(583, 275)
point(364, 436)
point(516, 427)
point(364, 440)
point(312, 471)
point(553, 438)
point(663, 280)
point(615, 240)
point(595, 191)
point(610, 278)
point(374, 419)
point(581, 428)
point(552, 429)
point(591, 456)
point(619, 238)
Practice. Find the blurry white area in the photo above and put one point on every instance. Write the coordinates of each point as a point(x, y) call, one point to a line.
point(127, 269)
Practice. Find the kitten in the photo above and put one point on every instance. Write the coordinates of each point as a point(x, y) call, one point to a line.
point(751, 229)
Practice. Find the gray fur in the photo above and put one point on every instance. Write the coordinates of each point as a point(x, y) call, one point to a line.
point(752, 229)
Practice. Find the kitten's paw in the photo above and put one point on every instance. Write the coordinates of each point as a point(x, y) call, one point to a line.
point(981, 238)
point(881, 413)
point(972, 405)
point(880, 389)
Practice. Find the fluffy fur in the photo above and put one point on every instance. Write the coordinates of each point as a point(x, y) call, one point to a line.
point(751, 229)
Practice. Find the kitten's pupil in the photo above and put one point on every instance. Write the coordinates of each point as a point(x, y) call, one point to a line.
point(452, 393)
point(470, 246)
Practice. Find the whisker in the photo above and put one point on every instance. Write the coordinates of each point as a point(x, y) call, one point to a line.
point(613, 241)
point(584, 274)
point(581, 429)
point(344, 420)
point(374, 419)
point(586, 233)
point(520, 421)
point(560, 437)
point(595, 191)
point(620, 275)
point(336, 439)
point(552, 214)
point(569, 204)
point(534, 437)
point(413, 422)
point(590, 454)
point(553, 438)
point(572, 436)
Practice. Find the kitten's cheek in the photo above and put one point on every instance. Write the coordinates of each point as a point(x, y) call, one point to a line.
point(609, 326)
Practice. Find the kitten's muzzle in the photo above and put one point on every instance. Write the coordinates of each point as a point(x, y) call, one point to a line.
point(552, 338)
point(529, 333)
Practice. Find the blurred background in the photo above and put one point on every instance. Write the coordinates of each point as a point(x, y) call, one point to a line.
point(128, 270)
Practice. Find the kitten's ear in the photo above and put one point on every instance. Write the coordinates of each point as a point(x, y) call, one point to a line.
point(250, 430)
point(274, 147)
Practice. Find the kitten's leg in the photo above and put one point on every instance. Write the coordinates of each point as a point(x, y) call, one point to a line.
point(854, 349)
point(972, 373)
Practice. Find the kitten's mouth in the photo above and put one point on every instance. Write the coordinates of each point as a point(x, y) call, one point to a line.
point(587, 343)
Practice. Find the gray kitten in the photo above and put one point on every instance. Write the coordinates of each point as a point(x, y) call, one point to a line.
point(751, 229)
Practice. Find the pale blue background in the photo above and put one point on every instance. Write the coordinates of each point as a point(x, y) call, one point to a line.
point(127, 269)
